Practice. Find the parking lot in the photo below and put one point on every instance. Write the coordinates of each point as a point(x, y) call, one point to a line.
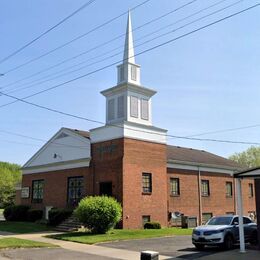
point(180, 247)
point(177, 246)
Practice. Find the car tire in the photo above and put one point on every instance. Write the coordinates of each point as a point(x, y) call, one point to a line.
point(200, 247)
point(253, 239)
point(228, 242)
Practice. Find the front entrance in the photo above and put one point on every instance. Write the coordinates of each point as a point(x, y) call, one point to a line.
point(105, 188)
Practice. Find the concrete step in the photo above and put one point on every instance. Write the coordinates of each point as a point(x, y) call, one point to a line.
point(69, 224)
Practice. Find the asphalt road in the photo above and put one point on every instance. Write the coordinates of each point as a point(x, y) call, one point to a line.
point(178, 246)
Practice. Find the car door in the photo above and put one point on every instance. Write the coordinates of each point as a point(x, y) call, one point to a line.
point(235, 228)
point(247, 227)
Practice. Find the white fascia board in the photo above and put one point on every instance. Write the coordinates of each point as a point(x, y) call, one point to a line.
point(201, 167)
point(58, 166)
point(145, 133)
point(128, 130)
point(128, 86)
point(62, 130)
point(106, 133)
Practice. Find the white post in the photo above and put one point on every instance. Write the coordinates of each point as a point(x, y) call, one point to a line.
point(240, 215)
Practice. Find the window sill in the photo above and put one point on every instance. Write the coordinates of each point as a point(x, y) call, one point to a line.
point(205, 196)
point(146, 193)
point(229, 197)
point(173, 195)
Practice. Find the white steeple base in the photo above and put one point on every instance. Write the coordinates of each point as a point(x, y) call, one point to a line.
point(128, 130)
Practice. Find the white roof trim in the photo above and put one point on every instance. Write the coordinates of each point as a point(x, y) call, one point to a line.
point(203, 168)
point(57, 166)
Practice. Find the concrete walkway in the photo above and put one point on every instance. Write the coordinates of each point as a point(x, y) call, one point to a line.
point(84, 248)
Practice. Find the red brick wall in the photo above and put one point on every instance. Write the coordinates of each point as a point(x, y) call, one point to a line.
point(139, 157)
point(107, 165)
point(55, 186)
point(217, 203)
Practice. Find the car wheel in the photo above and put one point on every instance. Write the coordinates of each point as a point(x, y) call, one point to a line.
point(253, 240)
point(228, 242)
point(200, 247)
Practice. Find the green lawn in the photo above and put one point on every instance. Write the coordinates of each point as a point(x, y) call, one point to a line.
point(22, 227)
point(21, 243)
point(119, 234)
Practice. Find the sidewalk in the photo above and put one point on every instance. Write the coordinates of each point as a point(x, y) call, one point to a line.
point(84, 248)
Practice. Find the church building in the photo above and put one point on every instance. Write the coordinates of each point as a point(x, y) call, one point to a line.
point(128, 158)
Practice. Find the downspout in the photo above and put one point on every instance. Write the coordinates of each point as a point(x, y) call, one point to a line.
point(199, 193)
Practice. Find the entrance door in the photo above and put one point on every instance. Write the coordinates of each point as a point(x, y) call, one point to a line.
point(105, 188)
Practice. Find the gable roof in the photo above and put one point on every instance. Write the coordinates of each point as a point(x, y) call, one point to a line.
point(198, 157)
point(79, 132)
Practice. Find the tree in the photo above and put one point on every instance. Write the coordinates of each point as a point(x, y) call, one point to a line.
point(249, 158)
point(10, 176)
point(99, 214)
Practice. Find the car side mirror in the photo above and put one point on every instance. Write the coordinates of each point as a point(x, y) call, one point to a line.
point(235, 223)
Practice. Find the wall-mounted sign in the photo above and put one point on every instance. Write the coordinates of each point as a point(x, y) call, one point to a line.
point(25, 192)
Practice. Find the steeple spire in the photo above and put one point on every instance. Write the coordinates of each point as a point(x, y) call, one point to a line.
point(128, 71)
point(129, 44)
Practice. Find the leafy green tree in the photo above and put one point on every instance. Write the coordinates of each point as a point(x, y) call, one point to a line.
point(99, 213)
point(249, 158)
point(10, 176)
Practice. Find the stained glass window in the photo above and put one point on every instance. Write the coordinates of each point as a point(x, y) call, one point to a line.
point(75, 190)
point(37, 191)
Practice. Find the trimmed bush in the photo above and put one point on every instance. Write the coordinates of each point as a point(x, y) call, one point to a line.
point(152, 225)
point(34, 214)
point(16, 213)
point(56, 216)
point(99, 214)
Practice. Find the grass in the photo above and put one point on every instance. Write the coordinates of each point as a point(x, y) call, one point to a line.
point(21, 243)
point(120, 234)
point(22, 227)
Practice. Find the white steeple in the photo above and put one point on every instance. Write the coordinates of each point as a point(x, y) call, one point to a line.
point(129, 44)
point(128, 71)
point(128, 104)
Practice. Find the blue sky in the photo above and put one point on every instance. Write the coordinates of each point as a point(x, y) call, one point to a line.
point(207, 81)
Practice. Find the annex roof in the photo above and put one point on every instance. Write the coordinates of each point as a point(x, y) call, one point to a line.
point(194, 156)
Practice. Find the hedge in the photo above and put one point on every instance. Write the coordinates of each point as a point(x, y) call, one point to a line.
point(152, 225)
point(34, 214)
point(56, 216)
point(16, 213)
point(99, 213)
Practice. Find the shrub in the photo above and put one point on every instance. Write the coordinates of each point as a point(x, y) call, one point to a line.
point(16, 213)
point(34, 214)
point(152, 225)
point(56, 216)
point(99, 214)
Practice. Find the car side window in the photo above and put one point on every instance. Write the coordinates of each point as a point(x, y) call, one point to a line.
point(246, 220)
point(235, 220)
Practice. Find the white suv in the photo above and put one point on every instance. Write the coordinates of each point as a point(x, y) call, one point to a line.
point(223, 231)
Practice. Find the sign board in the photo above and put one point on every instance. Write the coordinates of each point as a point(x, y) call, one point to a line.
point(25, 192)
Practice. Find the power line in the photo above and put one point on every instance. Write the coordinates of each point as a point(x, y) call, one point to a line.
point(47, 31)
point(225, 130)
point(136, 130)
point(41, 140)
point(116, 54)
point(152, 48)
point(140, 53)
point(109, 41)
point(74, 39)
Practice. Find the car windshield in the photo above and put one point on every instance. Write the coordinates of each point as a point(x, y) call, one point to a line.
point(220, 221)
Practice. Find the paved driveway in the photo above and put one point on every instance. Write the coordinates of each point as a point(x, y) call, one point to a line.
point(178, 246)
